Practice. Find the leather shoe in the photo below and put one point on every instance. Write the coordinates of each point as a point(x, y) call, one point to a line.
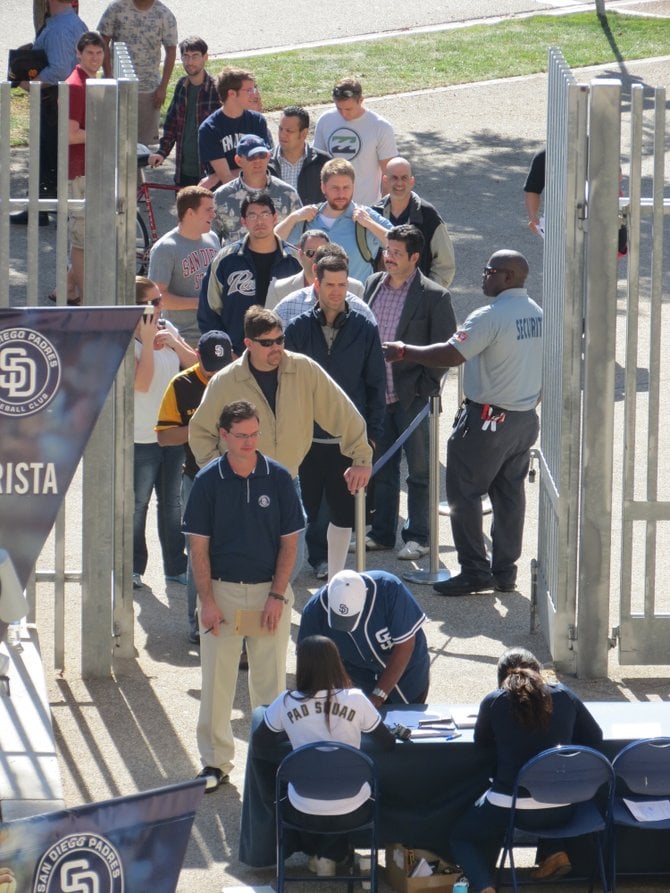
point(214, 778)
point(20, 218)
point(554, 866)
point(462, 584)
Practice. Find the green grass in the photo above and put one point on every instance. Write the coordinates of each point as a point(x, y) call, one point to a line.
point(414, 62)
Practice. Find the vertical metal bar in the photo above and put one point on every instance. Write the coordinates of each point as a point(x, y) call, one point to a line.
point(59, 590)
point(33, 195)
point(5, 109)
point(61, 218)
point(99, 284)
point(360, 531)
point(632, 338)
point(599, 347)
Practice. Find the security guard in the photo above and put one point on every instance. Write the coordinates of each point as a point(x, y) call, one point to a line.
point(489, 447)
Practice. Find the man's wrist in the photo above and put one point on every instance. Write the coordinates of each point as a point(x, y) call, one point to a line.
point(379, 693)
point(277, 596)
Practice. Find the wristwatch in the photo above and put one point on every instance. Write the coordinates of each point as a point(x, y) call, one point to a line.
point(379, 693)
point(278, 597)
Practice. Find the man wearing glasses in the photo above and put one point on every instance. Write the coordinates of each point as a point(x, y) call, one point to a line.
point(195, 98)
point(240, 274)
point(360, 136)
point(242, 519)
point(291, 392)
point(489, 448)
point(219, 134)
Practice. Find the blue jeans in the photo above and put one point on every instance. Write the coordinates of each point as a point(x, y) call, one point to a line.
point(478, 836)
point(158, 468)
point(191, 591)
point(387, 479)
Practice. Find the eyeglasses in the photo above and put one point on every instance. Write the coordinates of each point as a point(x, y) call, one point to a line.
point(490, 271)
point(262, 215)
point(188, 57)
point(250, 90)
point(310, 252)
point(345, 93)
point(245, 437)
point(269, 342)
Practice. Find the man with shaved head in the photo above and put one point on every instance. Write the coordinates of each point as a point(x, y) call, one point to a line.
point(489, 448)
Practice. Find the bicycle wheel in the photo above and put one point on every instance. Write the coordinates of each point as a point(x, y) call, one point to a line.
point(141, 246)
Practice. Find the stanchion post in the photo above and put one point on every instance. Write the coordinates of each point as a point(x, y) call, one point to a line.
point(434, 574)
point(360, 530)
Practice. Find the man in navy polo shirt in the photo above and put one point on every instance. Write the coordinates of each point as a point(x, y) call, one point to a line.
point(243, 518)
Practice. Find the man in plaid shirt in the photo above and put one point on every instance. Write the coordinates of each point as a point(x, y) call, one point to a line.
point(195, 98)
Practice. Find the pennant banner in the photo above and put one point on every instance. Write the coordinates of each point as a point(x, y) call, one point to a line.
point(130, 844)
point(57, 366)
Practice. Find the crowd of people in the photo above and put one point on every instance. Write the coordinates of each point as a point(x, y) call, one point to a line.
point(296, 320)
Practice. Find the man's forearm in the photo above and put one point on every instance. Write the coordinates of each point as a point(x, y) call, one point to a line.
point(288, 549)
point(396, 666)
point(176, 436)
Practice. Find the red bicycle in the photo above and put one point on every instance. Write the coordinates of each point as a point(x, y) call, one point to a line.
point(146, 236)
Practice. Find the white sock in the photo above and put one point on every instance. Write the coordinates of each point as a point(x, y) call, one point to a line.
point(338, 547)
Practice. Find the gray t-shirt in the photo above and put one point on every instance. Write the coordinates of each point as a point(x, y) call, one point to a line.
point(182, 263)
point(502, 346)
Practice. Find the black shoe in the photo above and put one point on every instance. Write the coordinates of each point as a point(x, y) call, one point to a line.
point(214, 778)
point(194, 637)
point(20, 218)
point(504, 586)
point(462, 584)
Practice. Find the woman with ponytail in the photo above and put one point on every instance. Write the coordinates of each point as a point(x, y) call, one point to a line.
point(522, 717)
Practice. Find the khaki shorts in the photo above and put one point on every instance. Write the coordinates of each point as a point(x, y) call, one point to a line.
point(148, 119)
point(75, 220)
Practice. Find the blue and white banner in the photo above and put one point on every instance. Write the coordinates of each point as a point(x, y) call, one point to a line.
point(57, 366)
point(130, 844)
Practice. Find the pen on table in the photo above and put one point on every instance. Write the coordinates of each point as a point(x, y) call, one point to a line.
point(208, 630)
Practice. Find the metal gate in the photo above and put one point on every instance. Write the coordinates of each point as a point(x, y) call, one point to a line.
point(581, 500)
point(105, 513)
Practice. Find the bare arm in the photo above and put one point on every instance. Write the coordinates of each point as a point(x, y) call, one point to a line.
point(431, 355)
point(107, 62)
point(210, 616)
point(187, 355)
point(75, 134)
point(380, 232)
point(161, 90)
point(396, 666)
point(175, 436)
point(532, 201)
point(284, 227)
point(171, 301)
point(144, 367)
point(274, 607)
point(222, 173)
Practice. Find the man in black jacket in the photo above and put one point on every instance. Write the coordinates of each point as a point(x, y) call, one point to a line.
point(294, 160)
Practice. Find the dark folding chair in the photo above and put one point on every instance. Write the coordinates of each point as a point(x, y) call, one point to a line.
point(326, 770)
point(642, 772)
point(567, 774)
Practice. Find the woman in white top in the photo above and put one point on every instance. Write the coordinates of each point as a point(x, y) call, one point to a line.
point(324, 707)
point(160, 353)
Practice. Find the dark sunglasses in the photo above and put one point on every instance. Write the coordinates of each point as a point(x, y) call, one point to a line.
point(269, 342)
point(345, 93)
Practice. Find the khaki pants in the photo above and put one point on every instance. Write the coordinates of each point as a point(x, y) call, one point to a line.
point(219, 658)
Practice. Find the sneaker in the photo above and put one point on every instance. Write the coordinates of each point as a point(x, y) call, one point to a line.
point(321, 571)
point(462, 584)
point(554, 866)
point(504, 586)
point(325, 867)
point(137, 581)
point(411, 551)
point(370, 545)
point(311, 864)
point(176, 578)
point(214, 778)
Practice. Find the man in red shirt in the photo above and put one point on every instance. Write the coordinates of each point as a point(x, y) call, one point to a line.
point(90, 56)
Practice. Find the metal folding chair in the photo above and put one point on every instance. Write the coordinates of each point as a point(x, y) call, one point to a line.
point(326, 770)
point(565, 775)
point(642, 773)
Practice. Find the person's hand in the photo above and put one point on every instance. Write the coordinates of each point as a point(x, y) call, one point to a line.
point(159, 96)
point(7, 880)
point(210, 617)
point(357, 477)
point(155, 160)
point(272, 613)
point(393, 351)
point(360, 215)
point(148, 327)
point(166, 338)
point(534, 226)
point(308, 212)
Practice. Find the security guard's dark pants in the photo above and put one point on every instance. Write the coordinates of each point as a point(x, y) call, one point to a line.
point(493, 459)
point(48, 140)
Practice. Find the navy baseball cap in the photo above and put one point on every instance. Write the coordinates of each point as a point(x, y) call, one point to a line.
point(215, 350)
point(346, 599)
point(250, 146)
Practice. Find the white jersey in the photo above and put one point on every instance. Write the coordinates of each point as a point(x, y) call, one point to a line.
point(364, 142)
point(305, 721)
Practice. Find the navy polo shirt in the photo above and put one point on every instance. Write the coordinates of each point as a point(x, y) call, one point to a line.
point(244, 517)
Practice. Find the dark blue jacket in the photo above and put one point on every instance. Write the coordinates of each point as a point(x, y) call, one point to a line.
point(354, 361)
point(229, 288)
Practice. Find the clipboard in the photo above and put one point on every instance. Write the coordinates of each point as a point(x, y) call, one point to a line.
point(248, 623)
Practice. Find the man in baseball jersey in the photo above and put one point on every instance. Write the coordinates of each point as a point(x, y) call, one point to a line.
point(376, 623)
